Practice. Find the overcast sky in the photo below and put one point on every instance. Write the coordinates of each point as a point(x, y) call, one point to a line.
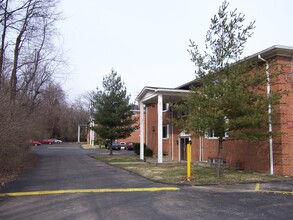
point(146, 41)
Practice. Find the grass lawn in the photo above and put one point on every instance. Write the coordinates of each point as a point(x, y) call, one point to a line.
point(176, 172)
point(116, 158)
point(90, 147)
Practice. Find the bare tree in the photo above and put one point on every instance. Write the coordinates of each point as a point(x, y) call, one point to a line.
point(52, 103)
point(28, 62)
point(26, 45)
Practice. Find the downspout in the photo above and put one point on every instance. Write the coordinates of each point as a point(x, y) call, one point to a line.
point(200, 149)
point(146, 127)
point(270, 115)
point(172, 136)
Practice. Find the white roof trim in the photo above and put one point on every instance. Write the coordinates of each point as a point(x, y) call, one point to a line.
point(149, 93)
point(271, 52)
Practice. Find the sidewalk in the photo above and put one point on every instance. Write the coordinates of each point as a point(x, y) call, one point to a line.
point(275, 186)
point(166, 159)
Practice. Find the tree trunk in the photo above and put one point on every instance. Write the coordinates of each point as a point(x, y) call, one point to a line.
point(218, 167)
point(13, 77)
point(110, 148)
point(3, 42)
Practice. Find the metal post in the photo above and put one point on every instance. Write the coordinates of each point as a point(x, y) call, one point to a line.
point(188, 161)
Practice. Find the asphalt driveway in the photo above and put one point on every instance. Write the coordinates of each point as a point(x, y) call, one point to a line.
point(67, 166)
point(80, 187)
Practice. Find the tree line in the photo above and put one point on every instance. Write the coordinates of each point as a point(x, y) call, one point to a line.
point(33, 104)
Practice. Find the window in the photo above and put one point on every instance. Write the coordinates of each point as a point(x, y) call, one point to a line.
point(165, 131)
point(165, 107)
point(212, 134)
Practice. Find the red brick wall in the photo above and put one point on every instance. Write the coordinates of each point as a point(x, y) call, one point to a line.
point(283, 145)
point(152, 128)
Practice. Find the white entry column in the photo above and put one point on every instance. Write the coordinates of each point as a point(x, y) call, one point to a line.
point(160, 128)
point(141, 131)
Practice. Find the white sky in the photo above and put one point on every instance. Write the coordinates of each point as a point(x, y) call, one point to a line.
point(146, 41)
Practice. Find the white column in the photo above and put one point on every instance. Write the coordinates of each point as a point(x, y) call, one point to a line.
point(141, 131)
point(92, 134)
point(179, 149)
point(160, 128)
point(78, 134)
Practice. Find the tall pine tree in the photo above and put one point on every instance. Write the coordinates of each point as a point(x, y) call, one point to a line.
point(112, 110)
point(230, 98)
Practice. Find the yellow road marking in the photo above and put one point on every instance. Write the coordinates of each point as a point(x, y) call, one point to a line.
point(222, 188)
point(277, 192)
point(54, 192)
point(257, 189)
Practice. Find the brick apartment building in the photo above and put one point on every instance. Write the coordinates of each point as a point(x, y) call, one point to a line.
point(166, 140)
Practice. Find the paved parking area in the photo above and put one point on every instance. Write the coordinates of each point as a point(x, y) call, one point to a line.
point(68, 184)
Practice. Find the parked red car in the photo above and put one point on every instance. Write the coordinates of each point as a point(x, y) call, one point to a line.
point(34, 143)
point(47, 141)
point(129, 145)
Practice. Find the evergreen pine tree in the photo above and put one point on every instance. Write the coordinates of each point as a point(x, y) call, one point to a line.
point(230, 98)
point(113, 115)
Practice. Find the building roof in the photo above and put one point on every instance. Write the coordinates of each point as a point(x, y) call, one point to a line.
point(149, 94)
point(276, 50)
point(188, 84)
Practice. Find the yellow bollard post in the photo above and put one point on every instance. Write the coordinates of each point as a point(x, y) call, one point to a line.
point(188, 161)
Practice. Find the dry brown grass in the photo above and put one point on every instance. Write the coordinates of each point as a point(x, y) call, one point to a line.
point(176, 172)
point(9, 175)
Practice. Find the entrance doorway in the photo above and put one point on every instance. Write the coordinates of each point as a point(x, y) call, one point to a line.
point(183, 142)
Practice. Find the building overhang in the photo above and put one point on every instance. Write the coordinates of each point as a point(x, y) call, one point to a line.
point(271, 52)
point(149, 95)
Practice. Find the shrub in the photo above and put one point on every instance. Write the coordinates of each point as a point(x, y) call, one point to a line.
point(147, 151)
point(136, 148)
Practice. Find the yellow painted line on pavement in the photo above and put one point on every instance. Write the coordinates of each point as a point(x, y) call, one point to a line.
point(257, 189)
point(277, 192)
point(222, 188)
point(55, 192)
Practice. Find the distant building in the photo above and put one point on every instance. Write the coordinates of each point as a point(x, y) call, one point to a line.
point(134, 137)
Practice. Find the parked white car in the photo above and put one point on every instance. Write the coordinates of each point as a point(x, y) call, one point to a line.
point(122, 145)
point(56, 141)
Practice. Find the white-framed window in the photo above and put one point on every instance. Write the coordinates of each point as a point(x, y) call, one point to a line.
point(165, 131)
point(211, 134)
point(165, 107)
